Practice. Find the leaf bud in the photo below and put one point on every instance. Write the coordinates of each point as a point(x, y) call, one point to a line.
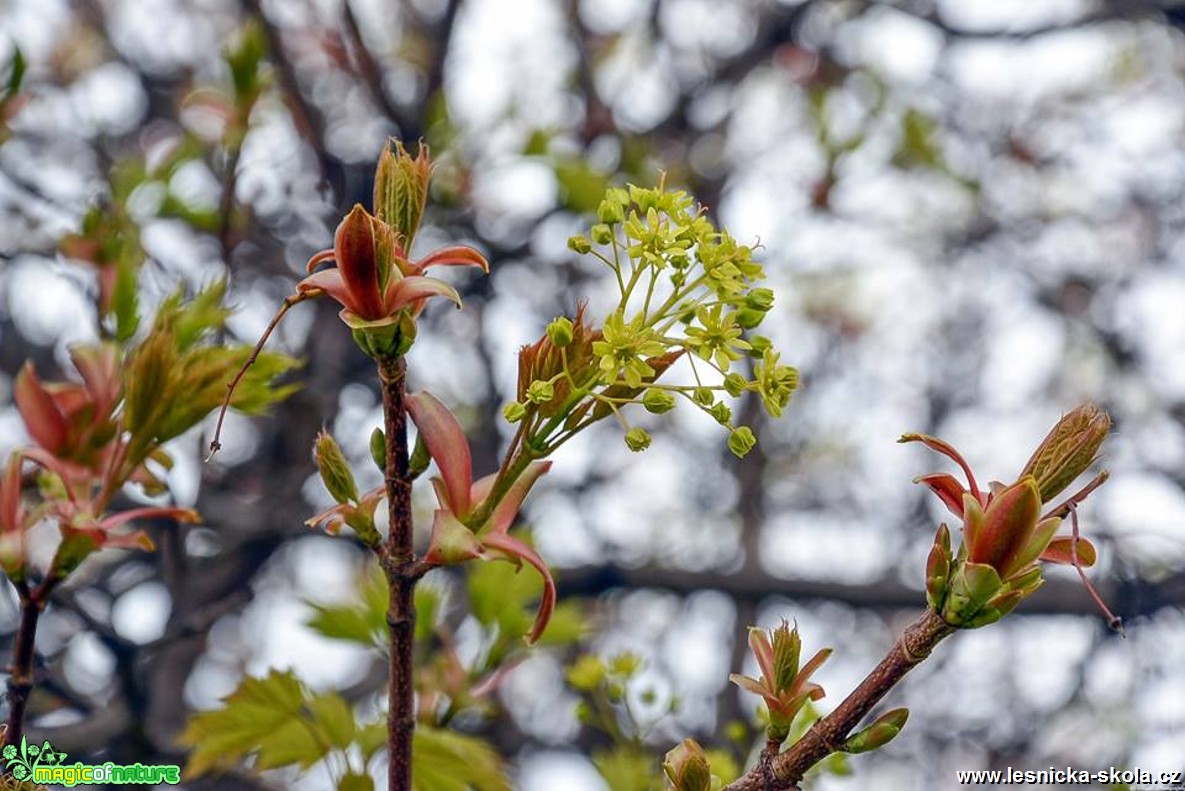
point(378, 448)
point(335, 470)
point(1069, 448)
point(687, 767)
point(878, 734)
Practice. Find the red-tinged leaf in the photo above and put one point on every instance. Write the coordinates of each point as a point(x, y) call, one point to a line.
point(447, 446)
point(354, 246)
point(10, 496)
point(763, 651)
point(187, 515)
point(508, 507)
point(1060, 550)
point(452, 542)
point(948, 489)
point(328, 281)
point(45, 423)
point(514, 550)
point(409, 290)
point(99, 368)
point(1008, 525)
point(810, 667)
point(459, 255)
point(749, 684)
point(946, 449)
point(1037, 543)
point(318, 259)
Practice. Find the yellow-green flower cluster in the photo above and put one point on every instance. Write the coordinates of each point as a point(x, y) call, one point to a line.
point(686, 289)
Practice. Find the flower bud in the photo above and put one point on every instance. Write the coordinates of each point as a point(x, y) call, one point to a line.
point(560, 331)
point(760, 299)
point(579, 244)
point(514, 412)
point(658, 401)
point(734, 385)
point(335, 470)
point(748, 318)
point(741, 441)
point(637, 439)
point(601, 233)
point(610, 212)
point(721, 413)
point(1068, 450)
point(687, 767)
point(540, 392)
point(703, 396)
point(758, 345)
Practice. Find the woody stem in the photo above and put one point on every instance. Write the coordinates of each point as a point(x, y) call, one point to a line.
point(20, 672)
point(825, 736)
point(402, 572)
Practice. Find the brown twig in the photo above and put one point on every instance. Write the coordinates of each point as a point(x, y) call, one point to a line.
point(21, 671)
point(289, 302)
point(787, 769)
point(402, 572)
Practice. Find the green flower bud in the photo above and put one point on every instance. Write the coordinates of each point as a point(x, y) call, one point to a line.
point(560, 331)
point(735, 384)
point(721, 413)
point(601, 233)
point(610, 212)
point(335, 470)
point(758, 345)
point(658, 401)
point(540, 392)
point(750, 317)
point(741, 440)
point(703, 396)
point(579, 244)
point(514, 412)
point(760, 299)
point(637, 439)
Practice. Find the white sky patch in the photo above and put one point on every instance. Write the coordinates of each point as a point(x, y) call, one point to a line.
point(1147, 512)
point(141, 614)
point(552, 769)
point(896, 45)
point(1152, 309)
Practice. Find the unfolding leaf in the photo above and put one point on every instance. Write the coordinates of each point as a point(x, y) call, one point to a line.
point(444, 760)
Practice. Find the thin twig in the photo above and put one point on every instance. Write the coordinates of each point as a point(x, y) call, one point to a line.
point(289, 302)
point(1114, 622)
